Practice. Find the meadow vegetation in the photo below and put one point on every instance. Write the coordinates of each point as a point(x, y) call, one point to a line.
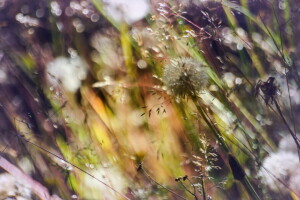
point(150, 99)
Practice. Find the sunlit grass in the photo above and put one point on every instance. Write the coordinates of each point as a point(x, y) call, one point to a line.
point(161, 103)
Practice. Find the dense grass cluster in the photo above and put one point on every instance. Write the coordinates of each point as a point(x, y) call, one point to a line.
point(145, 99)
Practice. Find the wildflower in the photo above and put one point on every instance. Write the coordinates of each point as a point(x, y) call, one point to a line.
point(278, 171)
point(295, 181)
point(13, 188)
point(287, 143)
point(287, 92)
point(69, 71)
point(185, 77)
point(281, 170)
point(129, 11)
point(109, 174)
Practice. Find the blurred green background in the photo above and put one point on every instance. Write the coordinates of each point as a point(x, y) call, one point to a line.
point(90, 110)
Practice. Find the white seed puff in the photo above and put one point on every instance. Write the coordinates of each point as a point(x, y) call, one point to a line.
point(185, 77)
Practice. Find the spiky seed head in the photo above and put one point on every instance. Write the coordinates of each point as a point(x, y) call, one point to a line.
point(185, 77)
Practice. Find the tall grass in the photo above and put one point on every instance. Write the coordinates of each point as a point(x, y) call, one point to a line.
point(168, 100)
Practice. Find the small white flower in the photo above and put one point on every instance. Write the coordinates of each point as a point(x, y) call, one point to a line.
point(288, 92)
point(287, 143)
point(70, 71)
point(125, 10)
point(281, 165)
point(12, 188)
point(110, 175)
point(229, 78)
point(295, 182)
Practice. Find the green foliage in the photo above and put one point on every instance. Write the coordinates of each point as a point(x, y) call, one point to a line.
point(175, 100)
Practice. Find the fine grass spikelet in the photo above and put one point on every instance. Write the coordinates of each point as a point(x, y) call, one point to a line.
point(185, 77)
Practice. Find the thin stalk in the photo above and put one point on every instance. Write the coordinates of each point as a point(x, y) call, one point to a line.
point(152, 179)
point(204, 194)
point(288, 127)
point(237, 102)
point(127, 50)
point(215, 132)
point(203, 188)
point(79, 168)
point(224, 146)
point(245, 181)
point(193, 194)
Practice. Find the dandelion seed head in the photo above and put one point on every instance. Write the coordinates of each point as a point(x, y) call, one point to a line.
point(185, 77)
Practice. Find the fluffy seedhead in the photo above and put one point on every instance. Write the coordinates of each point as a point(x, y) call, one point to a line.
point(185, 77)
